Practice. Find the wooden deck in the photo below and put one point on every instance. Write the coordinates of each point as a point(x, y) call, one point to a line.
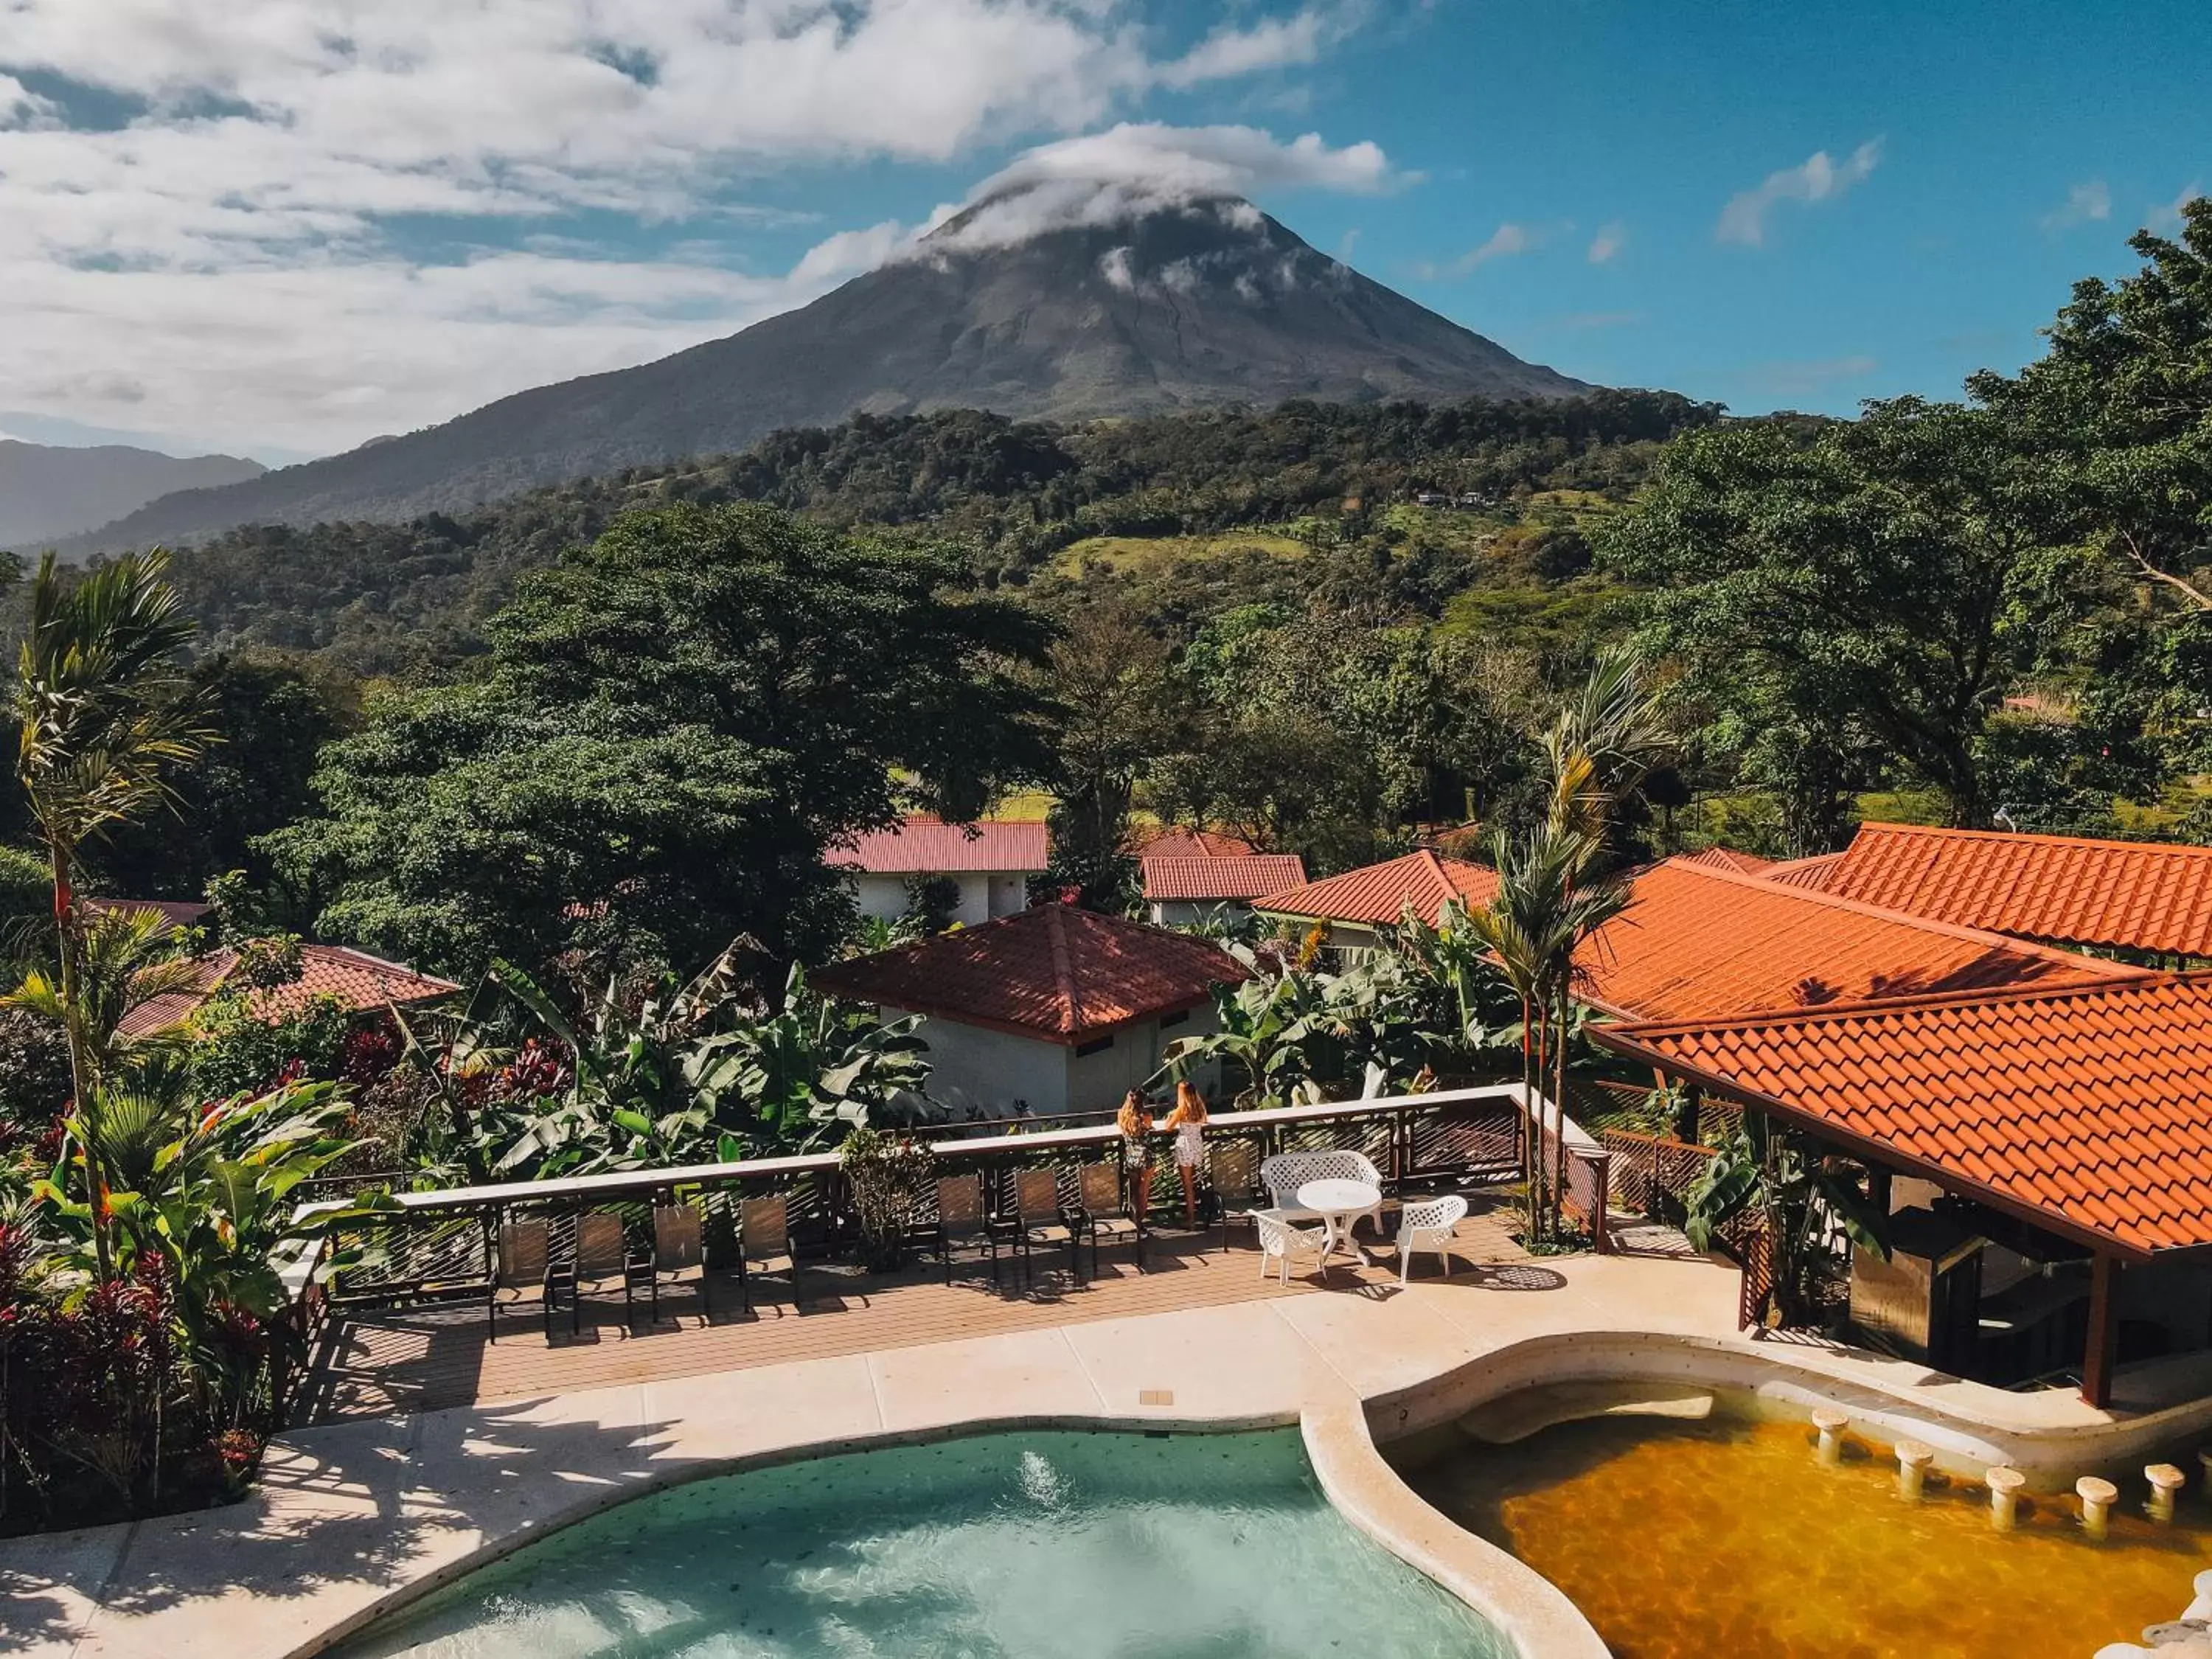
point(424, 1359)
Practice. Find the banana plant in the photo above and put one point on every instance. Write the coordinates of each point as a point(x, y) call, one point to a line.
point(1796, 1194)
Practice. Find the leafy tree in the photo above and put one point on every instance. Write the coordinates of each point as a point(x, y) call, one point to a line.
point(1875, 583)
point(269, 717)
point(1116, 714)
point(670, 727)
point(2120, 409)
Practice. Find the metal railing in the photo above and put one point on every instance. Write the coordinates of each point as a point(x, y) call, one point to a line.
point(440, 1240)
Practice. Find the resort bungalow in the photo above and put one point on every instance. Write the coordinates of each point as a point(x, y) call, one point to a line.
point(358, 982)
point(1055, 1010)
point(990, 864)
point(1352, 906)
point(2044, 1155)
point(2036, 1123)
point(1180, 887)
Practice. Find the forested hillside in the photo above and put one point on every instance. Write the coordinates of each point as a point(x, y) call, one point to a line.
point(1014, 496)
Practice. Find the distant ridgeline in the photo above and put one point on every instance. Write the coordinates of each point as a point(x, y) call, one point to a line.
point(389, 598)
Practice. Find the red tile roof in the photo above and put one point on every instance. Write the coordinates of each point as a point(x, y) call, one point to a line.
point(1727, 858)
point(2132, 895)
point(1053, 972)
point(1380, 892)
point(920, 847)
point(1811, 872)
point(360, 981)
point(1181, 843)
point(1696, 941)
point(2088, 1108)
point(1223, 876)
point(174, 913)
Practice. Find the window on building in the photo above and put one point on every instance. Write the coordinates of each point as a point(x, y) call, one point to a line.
point(1180, 1016)
point(1097, 1045)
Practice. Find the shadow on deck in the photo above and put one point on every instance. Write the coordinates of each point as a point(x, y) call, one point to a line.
point(428, 1358)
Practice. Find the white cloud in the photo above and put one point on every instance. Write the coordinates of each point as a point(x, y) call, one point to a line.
point(234, 235)
point(2167, 215)
point(2086, 202)
point(1607, 243)
point(1276, 43)
point(1507, 241)
point(1817, 179)
point(1108, 178)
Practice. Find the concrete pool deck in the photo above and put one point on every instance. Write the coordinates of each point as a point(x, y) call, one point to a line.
point(353, 1516)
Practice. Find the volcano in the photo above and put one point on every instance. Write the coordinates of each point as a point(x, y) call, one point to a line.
point(1182, 305)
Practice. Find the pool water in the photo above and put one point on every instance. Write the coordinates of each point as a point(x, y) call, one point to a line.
point(1691, 1540)
point(1002, 1547)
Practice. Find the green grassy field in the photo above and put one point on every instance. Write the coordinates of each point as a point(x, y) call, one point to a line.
point(1139, 552)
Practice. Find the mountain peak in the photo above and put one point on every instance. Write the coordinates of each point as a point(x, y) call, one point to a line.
point(1054, 298)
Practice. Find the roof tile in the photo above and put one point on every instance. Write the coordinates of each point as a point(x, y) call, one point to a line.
point(1054, 971)
point(2141, 896)
point(2112, 1142)
point(1382, 893)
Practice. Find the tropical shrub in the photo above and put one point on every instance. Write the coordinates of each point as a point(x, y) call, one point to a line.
point(889, 1178)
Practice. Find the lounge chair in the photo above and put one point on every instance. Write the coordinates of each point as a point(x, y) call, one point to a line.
point(1105, 1212)
point(600, 1258)
point(764, 1246)
point(679, 1250)
point(1232, 1169)
point(962, 1220)
point(521, 1264)
point(1038, 1218)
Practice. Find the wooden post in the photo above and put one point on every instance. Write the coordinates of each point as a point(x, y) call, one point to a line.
point(2104, 1330)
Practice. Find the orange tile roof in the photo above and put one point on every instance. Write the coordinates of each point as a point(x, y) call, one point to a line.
point(1727, 858)
point(1811, 872)
point(2141, 896)
point(1696, 941)
point(1222, 876)
point(1053, 972)
point(2087, 1107)
point(920, 847)
point(359, 980)
point(1380, 893)
point(1181, 843)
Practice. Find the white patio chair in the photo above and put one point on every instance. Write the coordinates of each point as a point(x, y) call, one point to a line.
point(1428, 1226)
point(1280, 1240)
point(1285, 1172)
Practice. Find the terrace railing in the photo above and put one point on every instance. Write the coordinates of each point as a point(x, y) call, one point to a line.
point(438, 1240)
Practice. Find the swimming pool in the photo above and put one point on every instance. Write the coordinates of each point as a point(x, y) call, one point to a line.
point(1688, 1522)
point(1055, 1546)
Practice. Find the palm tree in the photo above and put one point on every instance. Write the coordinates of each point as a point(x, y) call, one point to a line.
point(1552, 891)
point(102, 710)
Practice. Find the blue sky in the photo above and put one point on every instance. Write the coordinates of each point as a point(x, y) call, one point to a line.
point(281, 227)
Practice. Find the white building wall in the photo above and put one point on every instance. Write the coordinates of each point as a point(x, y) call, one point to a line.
point(973, 1066)
point(985, 896)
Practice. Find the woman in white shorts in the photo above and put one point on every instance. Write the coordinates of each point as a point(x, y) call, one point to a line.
point(1188, 1122)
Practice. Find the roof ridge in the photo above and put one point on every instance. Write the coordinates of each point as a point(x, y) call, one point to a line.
point(1926, 924)
point(2130, 980)
point(1063, 969)
point(1949, 832)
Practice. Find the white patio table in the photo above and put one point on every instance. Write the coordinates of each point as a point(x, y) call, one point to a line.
point(1338, 1204)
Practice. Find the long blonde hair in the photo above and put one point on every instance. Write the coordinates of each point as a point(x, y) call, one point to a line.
point(1133, 1119)
point(1189, 1107)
